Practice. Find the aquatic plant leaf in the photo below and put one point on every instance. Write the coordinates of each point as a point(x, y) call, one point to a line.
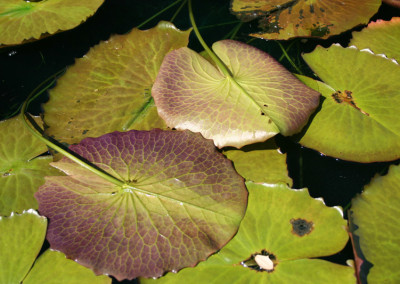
point(382, 37)
point(21, 170)
point(21, 237)
point(119, 73)
point(26, 20)
point(261, 162)
point(375, 214)
point(283, 19)
point(260, 100)
point(181, 202)
point(356, 121)
point(272, 226)
point(52, 267)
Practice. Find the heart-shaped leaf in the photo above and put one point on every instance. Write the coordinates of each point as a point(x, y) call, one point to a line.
point(24, 20)
point(362, 97)
point(182, 201)
point(21, 170)
point(260, 100)
point(281, 230)
point(382, 37)
point(21, 237)
point(375, 213)
point(283, 19)
point(119, 73)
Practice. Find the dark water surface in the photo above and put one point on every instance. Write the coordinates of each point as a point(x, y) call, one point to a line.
point(22, 68)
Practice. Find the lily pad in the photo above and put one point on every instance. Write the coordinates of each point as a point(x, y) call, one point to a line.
point(53, 267)
point(361, 99)
point(21, 238)
point(282, 19)
point(375, 213)
point(180, 202)
point(21, 170)
point(382, 37)
point(119, 73)
point(282, 229)
point(259, 100)
point(262, 162)
point(25, 20)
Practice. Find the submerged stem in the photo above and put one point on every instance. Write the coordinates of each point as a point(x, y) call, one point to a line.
point(289, 59)
point(158, 13)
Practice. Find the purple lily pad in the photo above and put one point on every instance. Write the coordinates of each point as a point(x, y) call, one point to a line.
point(181, 201)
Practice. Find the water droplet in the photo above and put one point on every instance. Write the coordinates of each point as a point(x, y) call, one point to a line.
point(12, 53)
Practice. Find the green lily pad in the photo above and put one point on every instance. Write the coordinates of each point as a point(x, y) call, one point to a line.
point(356, 121)
point(119, 73)
point(24, 20)
point(181, 200)
point(382, 37)
point(375, 213)
point(262, 162)
point(259, 100)
point(53, 267)
point(282, 229)
point(282, 19)
point(21, 170)
point(21, 237)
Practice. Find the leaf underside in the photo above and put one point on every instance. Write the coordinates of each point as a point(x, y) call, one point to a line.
point(181, 202)
point(260, 100)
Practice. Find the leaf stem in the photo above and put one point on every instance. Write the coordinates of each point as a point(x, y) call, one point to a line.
point(35, 130)
point(158, 13)
point(289, 59)
point(213, 56)
point(178, 11)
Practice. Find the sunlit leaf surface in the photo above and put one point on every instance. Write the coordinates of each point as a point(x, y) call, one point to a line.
point(21, 237)
point(21, 171)
point(261, 162)
point(24, 20)
point(53, 268)
point(375, 213)
point(109, 88)
point(285, 225)
point(182, 201)
point(382, 37)
point(260, 100)
point(283, 19)
point(361, 91)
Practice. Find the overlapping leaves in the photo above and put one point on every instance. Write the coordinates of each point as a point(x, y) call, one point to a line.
point(21, 238)
point(259, 100)
point(181, 201)
point(375, 216)
point(382, 37)
point(25, 20)
point(119, 73)
point(361, 99)
point(22, 169)
point(285, 227)
point(282, 19)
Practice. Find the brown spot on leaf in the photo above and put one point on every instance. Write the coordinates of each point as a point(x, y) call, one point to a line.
point(346, 97)
point(301, 227)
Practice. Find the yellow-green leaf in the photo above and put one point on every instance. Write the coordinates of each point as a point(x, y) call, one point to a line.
point(24, 20)
point(109, 88)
